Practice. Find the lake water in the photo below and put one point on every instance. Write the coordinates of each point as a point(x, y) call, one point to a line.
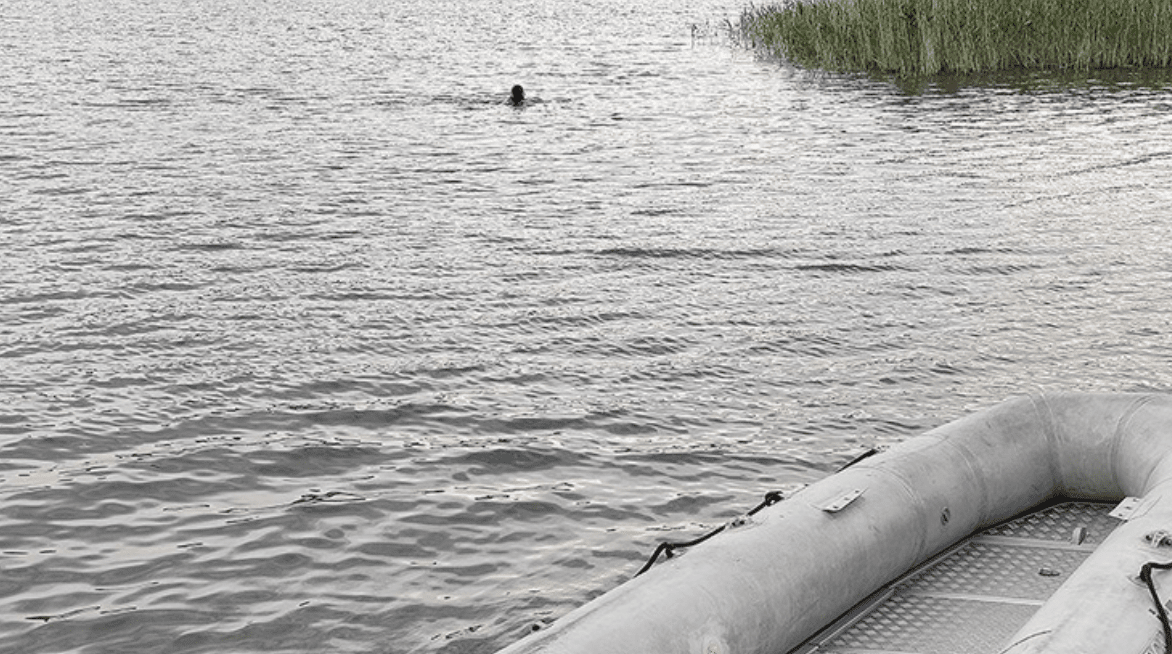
point(308, 343)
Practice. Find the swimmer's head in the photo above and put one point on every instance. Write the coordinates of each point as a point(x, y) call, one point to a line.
point(518, 95)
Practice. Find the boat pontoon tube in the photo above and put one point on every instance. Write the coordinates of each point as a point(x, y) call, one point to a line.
point(772, 580)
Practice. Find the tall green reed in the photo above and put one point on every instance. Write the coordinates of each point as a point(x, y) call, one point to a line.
point(923, 37)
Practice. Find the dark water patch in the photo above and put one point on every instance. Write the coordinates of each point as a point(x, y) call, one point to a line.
point(153, 284)
point(598, 513)
point(158, 216)
point(946, 368)
point(54, 447)
point(1120, 163)
point(210, 246)
point(1001, 269)
point(817, 344)
point(312, 461)
point(486, 511)
point(1071, 81)
point(354, 295)
point(665, 185)
point(661, 211)
point(637, 346)
point(48, 298)
point(701, 254)
point(849, 268)
point(324, 267)
point(394, 550)
point(976, 249)
point(452, 370)
point(502, 460)
point(403, 414)
point(629, 428)
point(536, 423)
point(102, 497)
point(65, 615)
point(62, 191)
point(118, 573)
point(695, 504)
point(316, 498)
point(131, 266)
point(153, 630)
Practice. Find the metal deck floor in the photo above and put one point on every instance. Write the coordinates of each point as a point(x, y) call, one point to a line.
point(974, 597)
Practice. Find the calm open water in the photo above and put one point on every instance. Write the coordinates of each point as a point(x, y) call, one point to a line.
point(309, 344)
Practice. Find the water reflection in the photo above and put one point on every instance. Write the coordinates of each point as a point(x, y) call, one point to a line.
point(1113, 80)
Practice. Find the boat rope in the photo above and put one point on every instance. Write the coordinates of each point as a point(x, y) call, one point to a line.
point(869, 453)
point(1145, 575)
point(771, 498)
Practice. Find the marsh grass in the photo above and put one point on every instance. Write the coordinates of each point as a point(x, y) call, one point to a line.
point(925, 37)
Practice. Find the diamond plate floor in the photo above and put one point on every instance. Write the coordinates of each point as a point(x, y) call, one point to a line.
point(975, 598)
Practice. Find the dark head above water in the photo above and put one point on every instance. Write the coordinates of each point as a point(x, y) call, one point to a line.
point(517, 98)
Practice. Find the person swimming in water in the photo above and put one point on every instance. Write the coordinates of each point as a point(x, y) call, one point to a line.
point(517, 97)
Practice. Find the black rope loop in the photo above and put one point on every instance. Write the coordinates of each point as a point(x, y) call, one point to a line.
point(772, 497)
point(1145, 575)
point(668, 549)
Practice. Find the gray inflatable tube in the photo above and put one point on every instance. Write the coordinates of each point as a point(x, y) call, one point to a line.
point(770, 581)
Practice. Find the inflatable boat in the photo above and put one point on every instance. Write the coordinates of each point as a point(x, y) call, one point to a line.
point(926, 524)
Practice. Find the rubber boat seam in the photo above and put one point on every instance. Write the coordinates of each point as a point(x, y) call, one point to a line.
point(1045, 414)
point(970, 597)
point(1010, 541)
point(974, 473)
point(851, 618)
point(973, 470)
point(1029, 637)
point(1120, 433)
point(914, 495)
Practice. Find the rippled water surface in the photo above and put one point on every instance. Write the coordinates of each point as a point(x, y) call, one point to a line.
point(308, 343)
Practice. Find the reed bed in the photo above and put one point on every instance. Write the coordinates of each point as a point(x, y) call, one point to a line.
point(924, 37)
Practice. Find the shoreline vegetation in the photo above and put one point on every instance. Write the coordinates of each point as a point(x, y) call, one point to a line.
point(927, 37)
